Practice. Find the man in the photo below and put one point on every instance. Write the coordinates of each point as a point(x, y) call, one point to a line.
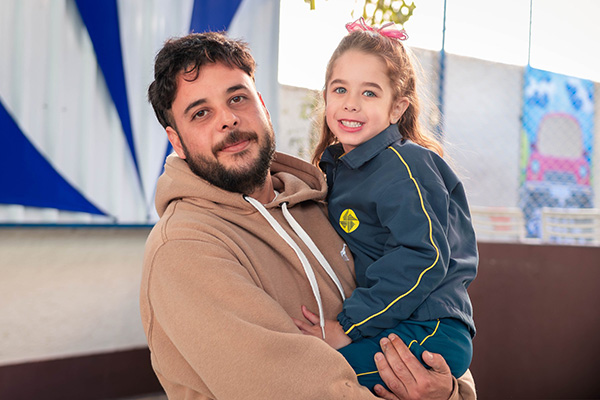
point(227, 266)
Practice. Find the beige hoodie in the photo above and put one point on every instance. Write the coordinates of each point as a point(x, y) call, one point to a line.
point(220, 284)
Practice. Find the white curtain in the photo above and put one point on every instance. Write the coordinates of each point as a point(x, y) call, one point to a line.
point(52, 86)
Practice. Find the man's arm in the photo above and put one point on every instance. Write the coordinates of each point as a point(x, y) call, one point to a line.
point(212, 327)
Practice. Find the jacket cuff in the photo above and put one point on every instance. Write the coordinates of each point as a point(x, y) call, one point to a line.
point(354, 334)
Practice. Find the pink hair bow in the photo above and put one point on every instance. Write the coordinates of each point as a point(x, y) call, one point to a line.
point(361, 25)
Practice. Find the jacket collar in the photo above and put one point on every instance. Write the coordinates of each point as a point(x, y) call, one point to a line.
point(366, 151)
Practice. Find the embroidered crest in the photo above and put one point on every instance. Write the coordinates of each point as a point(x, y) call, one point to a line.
point(348, 221)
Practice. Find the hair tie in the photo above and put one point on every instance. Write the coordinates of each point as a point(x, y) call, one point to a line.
point(393, 32)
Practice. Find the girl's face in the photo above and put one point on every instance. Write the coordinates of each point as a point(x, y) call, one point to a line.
point(359, 99)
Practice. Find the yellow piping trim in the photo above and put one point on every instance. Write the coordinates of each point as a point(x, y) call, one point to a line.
point(367, 373)
point(430, 239)
point(434, 331)
point(411, 343)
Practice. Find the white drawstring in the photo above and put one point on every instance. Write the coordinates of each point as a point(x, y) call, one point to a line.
point(310, 274)
point(313, 248)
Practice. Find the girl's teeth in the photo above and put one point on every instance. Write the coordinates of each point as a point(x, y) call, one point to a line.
point(351, 124)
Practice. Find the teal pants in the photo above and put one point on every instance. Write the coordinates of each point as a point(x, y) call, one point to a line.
point(447, 336)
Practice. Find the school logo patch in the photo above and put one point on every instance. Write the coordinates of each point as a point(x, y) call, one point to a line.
point(348, 221)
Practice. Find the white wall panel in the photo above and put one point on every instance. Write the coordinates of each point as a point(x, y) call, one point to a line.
point(145, 25)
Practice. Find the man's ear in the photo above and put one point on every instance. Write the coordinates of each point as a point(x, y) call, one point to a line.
point(175, 142)
point(398, 109)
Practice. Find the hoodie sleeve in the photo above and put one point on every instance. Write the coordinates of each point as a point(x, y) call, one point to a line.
point(415, 260)
point(211, 327)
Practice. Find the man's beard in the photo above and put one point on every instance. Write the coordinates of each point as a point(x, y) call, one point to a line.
point(235, 180)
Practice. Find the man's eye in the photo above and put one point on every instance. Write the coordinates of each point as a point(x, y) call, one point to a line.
point(200, 114)
point(339, 90)
point(236, 99)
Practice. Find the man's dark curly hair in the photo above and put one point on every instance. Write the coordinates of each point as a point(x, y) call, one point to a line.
point(187, 55)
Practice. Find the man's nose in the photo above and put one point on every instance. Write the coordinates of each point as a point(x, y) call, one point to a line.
point(228, 120)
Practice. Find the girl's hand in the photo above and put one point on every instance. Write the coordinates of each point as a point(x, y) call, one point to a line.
point(334, 333)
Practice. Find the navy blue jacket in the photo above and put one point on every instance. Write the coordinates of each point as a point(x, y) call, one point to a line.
point(404, 214)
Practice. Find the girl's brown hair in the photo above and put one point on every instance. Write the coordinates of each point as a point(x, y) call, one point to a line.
point(402, 79)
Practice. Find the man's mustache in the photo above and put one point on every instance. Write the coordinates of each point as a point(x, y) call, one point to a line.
point(235, 137)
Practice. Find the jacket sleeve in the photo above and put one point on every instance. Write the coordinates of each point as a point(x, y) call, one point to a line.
point(213, 327)
point(415, 260)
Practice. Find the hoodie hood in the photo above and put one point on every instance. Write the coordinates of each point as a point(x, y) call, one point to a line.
point(295, 180)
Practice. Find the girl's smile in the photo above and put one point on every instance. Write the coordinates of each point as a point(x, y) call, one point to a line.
point(351, 126)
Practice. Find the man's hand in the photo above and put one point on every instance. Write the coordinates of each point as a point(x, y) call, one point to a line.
point(334, 333)
point(406, 377)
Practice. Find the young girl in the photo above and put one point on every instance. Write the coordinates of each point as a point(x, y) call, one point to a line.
point(398, 205)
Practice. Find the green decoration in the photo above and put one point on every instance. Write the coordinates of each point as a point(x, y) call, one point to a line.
point(312, 3)
point(379, 12)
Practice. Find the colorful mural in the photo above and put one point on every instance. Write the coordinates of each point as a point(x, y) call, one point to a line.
point(558, 126)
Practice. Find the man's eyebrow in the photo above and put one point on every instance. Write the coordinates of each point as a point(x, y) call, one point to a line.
point(193, 104)
point(198, 102)
point(237, 87)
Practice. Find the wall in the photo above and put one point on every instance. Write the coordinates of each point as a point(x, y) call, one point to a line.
point(482, 111)
point(70, 324)
point(69, 292)
point(538, 326)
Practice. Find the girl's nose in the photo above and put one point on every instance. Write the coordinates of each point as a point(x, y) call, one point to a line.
point(351, 104)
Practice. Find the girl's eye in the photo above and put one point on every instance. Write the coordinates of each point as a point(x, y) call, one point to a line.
point(369, 93)
point(339, 90)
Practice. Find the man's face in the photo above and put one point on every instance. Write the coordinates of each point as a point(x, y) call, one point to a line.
point(223, 128)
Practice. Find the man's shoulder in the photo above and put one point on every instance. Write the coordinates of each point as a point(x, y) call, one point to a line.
point(181, 220)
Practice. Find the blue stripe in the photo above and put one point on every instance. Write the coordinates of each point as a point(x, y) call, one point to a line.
point(28, 179)
point(101, 19)
point(213, 15)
